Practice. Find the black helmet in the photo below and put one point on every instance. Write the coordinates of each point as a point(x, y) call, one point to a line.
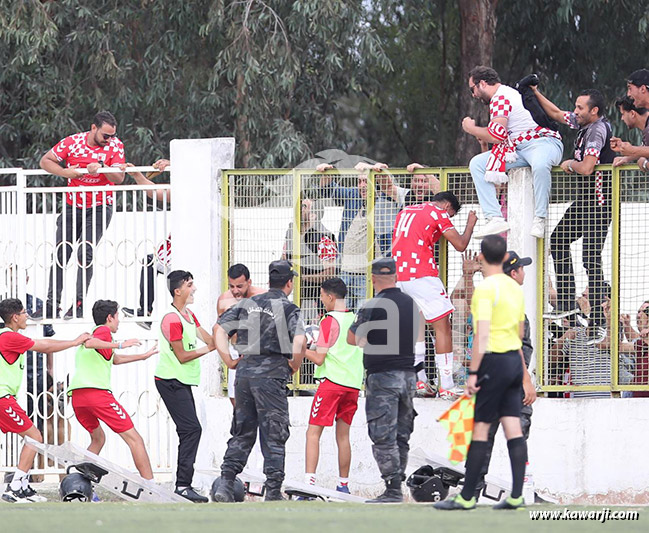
point(426, 485)
point(75, 487)
point(239, 489)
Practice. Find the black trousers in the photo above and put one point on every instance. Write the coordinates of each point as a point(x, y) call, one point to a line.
point(179, 400)
point(85, 226)
point(584, 218)
point(147, 277)
point(261, 403)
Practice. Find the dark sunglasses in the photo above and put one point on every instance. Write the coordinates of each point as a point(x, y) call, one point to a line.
point(108, 135)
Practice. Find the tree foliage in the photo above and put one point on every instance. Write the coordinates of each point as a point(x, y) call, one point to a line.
point(292, 77)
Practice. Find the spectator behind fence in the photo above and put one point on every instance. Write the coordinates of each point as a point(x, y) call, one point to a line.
point(589, 216)
point(461, 319)
point(348, 197)
point(386, 205)
point(633, 117)
point(518, 142)
point(640, 340)
point(85, 216)
point(317, 256)
point(353, 262)
point(391, 198)
point(161, 262)
point(637, 87)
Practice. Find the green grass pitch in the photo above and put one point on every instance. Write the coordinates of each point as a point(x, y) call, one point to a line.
point(286, 517)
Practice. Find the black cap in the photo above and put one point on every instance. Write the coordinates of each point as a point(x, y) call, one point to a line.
point(639, 77)
point(281, 269)
point(384, 265)
point(513, 261)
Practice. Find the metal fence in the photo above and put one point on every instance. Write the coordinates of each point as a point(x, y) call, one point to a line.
point(110, 247)
point(264, 206)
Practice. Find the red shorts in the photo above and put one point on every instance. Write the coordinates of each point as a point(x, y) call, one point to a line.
point(331, 402)
point(93, 405)
point(12, 417)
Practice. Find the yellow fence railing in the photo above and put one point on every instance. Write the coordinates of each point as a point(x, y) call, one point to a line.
point(277, 213)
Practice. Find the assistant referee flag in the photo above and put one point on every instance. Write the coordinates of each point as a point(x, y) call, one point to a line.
point(458, 420)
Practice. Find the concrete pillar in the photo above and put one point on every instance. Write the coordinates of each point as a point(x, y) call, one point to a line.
point(196, 229)
point(520, 213)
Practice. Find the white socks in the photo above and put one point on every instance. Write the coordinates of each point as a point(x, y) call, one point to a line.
point(420, 357)
point(444, 362)
point(309, 479)
point(19, 481)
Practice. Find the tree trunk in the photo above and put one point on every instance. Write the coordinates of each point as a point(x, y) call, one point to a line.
point(241, 121)
point(477, 36)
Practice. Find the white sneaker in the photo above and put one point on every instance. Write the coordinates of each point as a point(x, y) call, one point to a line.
point(538, 228)
point(450, 394)
point(494, 226)
point(33, 496)
point(14, 496)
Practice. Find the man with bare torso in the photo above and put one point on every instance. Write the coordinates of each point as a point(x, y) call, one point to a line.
point(239, 287)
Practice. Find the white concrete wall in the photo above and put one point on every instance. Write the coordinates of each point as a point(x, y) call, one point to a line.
point(580, 450)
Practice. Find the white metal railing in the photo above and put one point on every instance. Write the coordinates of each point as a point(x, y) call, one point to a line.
point(121, 249)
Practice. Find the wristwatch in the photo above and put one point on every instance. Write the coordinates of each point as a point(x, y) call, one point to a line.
point(472, 372)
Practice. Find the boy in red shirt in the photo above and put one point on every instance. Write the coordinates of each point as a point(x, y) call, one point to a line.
point(92, 399)
point(13, 418)
point(340, 370)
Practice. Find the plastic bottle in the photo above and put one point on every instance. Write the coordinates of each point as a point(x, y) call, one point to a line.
point(528, 485)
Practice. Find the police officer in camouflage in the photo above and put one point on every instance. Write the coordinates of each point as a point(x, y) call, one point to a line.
point(387, 328)
point(270, 341)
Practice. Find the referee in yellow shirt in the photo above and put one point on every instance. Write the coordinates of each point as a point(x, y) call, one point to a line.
point(498, 310)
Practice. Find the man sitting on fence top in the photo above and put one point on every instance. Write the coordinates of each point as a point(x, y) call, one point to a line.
point(518, 141)
point(633, 117)
point(85, 215)
point(589, 216)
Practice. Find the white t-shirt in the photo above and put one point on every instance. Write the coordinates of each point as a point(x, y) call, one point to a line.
point(507, 102)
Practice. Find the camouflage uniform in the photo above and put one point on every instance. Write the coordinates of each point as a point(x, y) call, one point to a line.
point(390, 419)
point(265, 326)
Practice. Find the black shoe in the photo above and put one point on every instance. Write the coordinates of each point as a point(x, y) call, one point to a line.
point(15, 496)
point(456, 503)
point(531, 79)
point(48, 330)
point(225, 492)
point(33, 496)
point(190, 494)
point(76, 311)
point(392, 492)
point(510, 504)
point(273, 495)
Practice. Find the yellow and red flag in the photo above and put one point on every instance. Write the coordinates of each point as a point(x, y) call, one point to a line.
point(458, 420)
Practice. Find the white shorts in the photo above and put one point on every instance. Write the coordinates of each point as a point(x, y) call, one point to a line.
point(430, 295)
point(232, 373)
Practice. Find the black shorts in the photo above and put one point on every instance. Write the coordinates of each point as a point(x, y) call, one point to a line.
point(501, 394)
